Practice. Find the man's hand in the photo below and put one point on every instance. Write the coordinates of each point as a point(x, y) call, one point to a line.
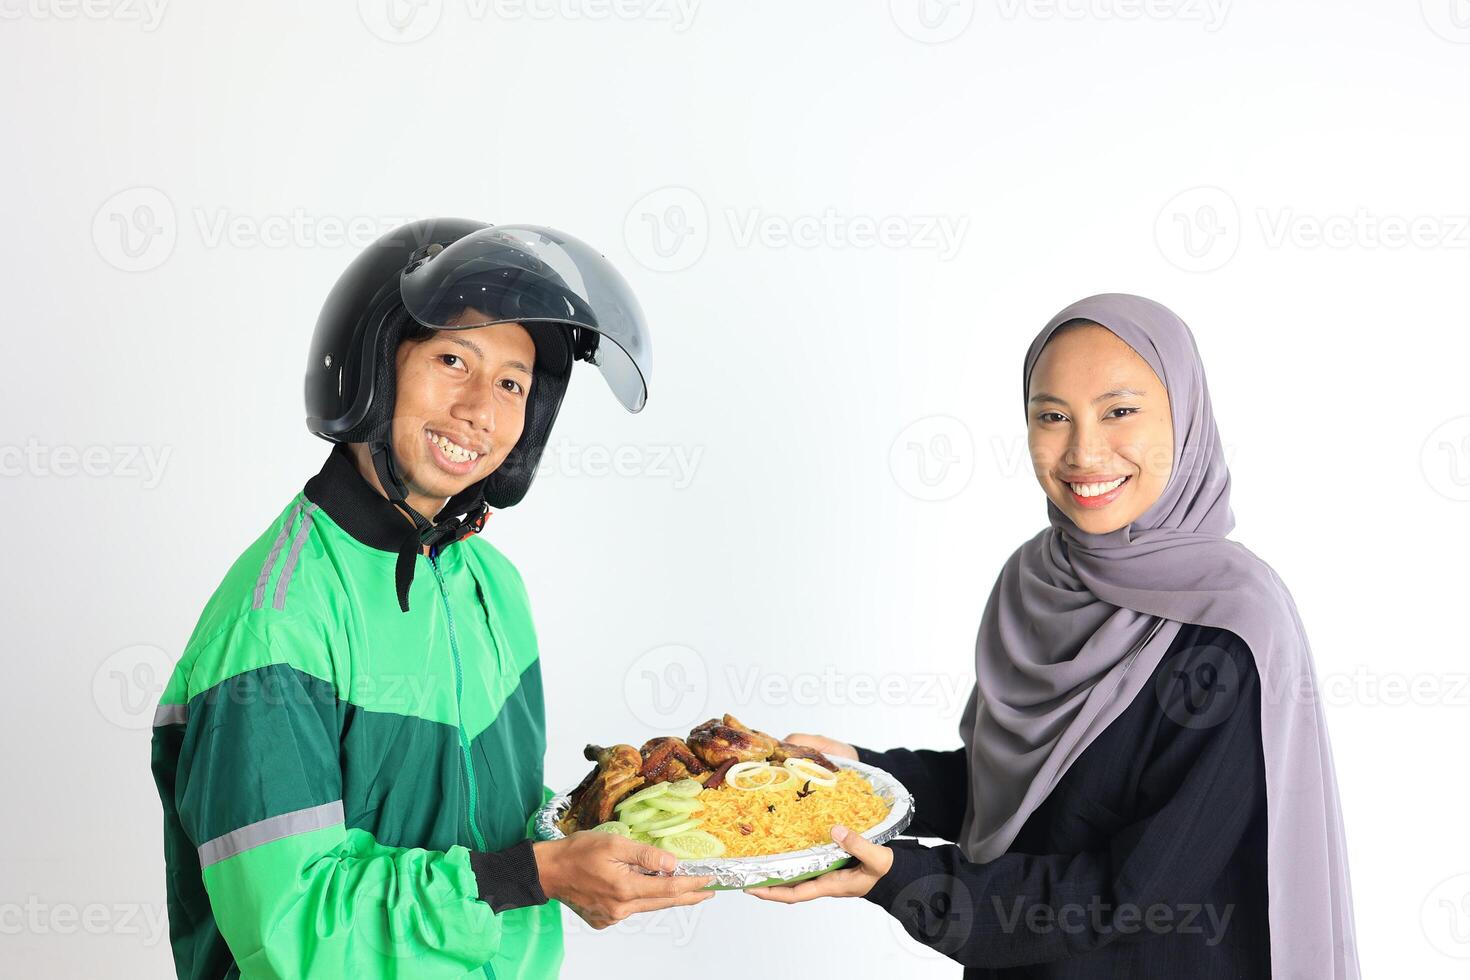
point(605, 878)
point(823, 744)
point(847, 883)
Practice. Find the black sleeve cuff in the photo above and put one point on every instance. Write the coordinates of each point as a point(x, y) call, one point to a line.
point(508, 879)
point(868, 757)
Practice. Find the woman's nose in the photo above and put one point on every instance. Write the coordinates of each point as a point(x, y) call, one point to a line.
point(1087, 446)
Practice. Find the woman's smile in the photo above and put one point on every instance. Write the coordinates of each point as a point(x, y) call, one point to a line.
point(1094, 493)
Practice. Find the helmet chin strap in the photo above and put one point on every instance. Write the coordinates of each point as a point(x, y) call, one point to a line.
point(424, 532)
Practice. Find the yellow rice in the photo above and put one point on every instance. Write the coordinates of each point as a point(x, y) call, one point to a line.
point(795, 823)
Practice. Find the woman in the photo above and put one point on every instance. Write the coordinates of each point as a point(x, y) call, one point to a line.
point(1146, 786)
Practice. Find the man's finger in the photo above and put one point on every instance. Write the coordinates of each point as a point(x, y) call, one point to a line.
point(671, 886)
point(651, 858)
point(654, 904)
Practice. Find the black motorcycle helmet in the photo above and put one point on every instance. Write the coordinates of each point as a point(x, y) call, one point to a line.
point(429, 274)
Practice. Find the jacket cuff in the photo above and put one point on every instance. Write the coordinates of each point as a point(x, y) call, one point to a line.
point(867, 756)
point(910, 863)
point(508, 879)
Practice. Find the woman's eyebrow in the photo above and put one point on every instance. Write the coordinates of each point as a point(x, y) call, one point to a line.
point(1115, 393)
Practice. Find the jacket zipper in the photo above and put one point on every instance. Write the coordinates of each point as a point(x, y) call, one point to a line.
point(464, 739)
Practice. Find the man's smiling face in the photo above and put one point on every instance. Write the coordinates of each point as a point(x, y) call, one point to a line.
point(460, 408)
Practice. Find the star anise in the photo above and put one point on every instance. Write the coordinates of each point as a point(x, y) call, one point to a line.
point(805, 791)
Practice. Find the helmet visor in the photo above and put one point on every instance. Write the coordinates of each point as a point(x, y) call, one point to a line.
point(520, 273)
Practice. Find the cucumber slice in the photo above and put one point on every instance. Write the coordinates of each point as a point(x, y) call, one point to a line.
point(686, 788)
point(678, 828)
point(646, 793)
point(669, 803)
point(614, 827)
point(640, 814)
point(693, 845)
point(667, 820)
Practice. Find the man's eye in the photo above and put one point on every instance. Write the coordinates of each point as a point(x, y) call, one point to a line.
point(448, 358)
point(513, 386)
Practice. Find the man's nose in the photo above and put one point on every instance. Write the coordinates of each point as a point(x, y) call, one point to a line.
point(477, 405)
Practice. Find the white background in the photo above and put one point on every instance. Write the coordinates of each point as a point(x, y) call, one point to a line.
point(832, 466)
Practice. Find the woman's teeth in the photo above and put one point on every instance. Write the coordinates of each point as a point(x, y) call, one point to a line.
point(1095, 489)
point(451, 449)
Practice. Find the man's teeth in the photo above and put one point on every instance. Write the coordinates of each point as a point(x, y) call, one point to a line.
point(1095, 489)
point(451, 449)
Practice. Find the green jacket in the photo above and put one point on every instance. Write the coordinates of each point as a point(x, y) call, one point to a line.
point(346, 786)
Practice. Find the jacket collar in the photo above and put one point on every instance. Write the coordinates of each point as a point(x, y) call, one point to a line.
point(365, 514)
point(353, 503)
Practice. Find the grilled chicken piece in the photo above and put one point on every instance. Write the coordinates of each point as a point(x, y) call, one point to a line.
point(666, 759)
point(616, 776)
point(786, 750)
point(720, 740)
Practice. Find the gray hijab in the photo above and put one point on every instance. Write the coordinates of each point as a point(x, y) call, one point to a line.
point(1077, 623)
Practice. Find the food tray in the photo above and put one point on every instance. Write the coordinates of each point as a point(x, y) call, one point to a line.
point(772, 869)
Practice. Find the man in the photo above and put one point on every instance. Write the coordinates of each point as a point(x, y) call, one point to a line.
point(350, 748)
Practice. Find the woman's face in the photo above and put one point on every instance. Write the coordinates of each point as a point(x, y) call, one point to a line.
point(1097, 414)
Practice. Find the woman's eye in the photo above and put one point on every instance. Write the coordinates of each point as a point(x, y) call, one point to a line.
point(1049, 416)
point(1129, 411)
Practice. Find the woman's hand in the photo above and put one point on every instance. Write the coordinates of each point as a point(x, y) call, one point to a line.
point(847, 883)
point(823, 744)
point(605, 878)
